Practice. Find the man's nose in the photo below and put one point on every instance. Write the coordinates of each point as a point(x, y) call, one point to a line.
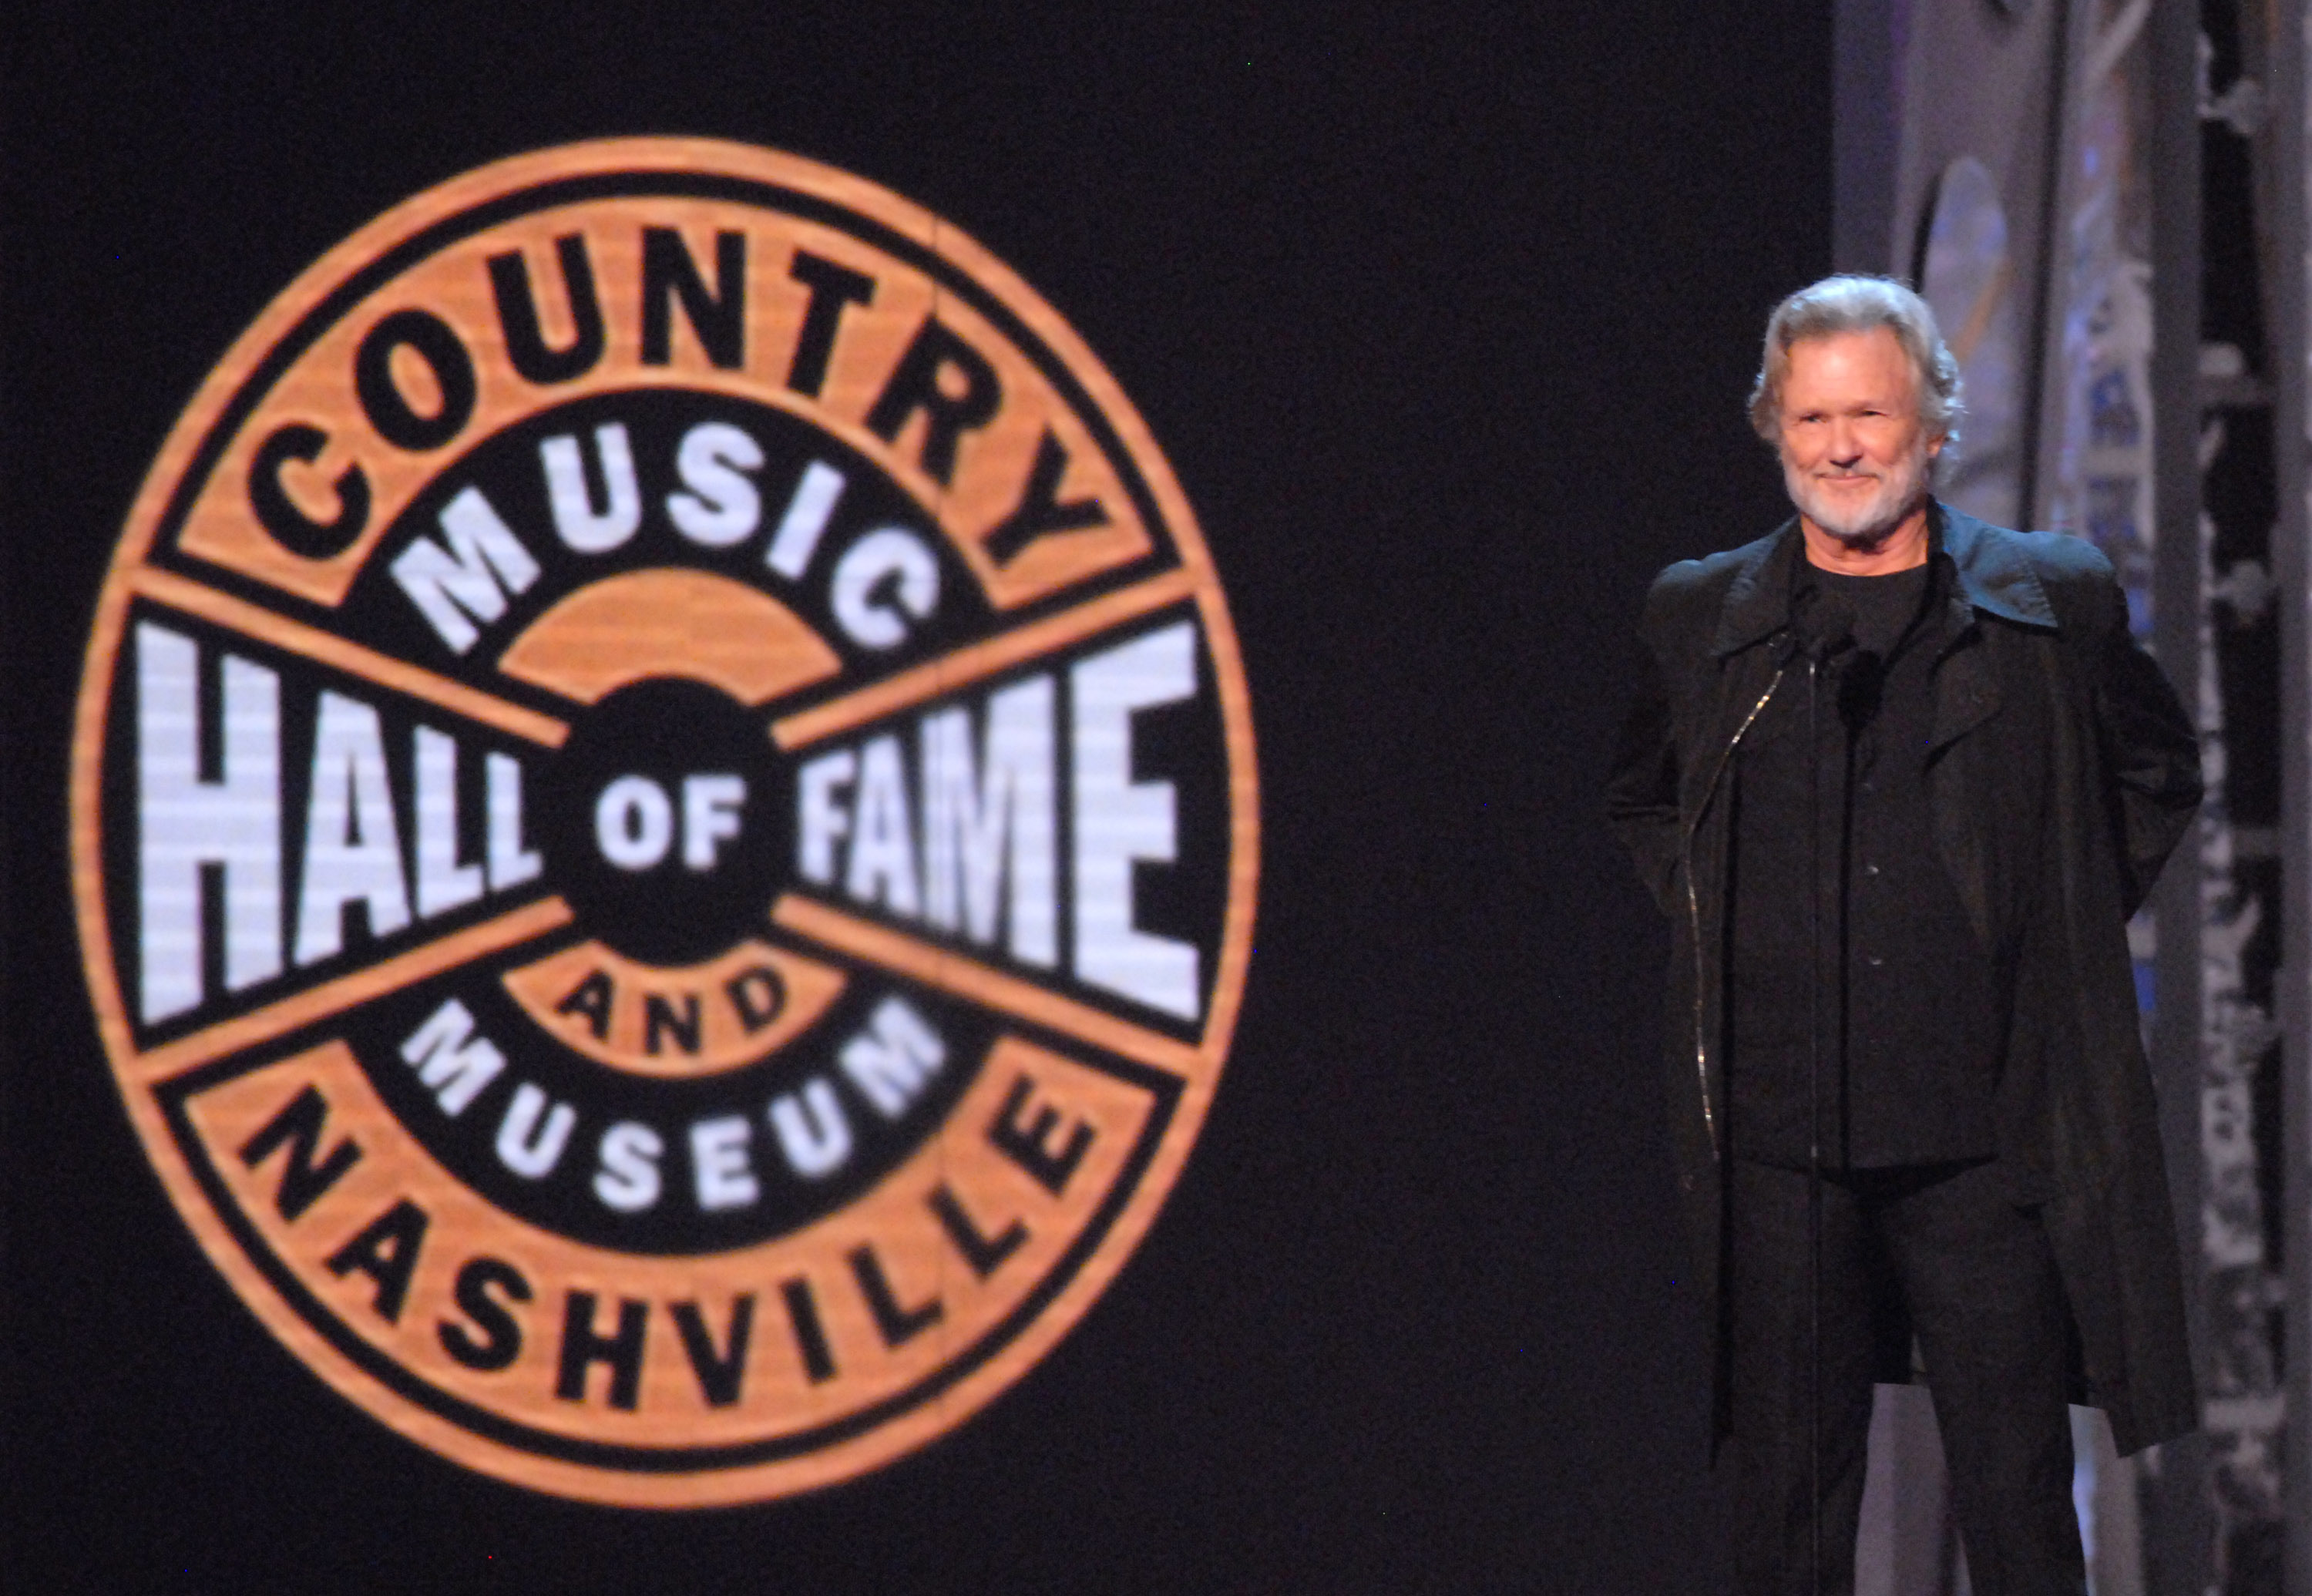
point(1845, 444)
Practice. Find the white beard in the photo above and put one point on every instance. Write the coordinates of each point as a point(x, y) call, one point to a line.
point(1898, 493)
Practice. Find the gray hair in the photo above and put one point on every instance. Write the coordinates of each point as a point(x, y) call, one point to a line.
point(1847, 303)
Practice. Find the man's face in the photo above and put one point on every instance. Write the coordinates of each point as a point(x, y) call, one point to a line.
point(1855, 451)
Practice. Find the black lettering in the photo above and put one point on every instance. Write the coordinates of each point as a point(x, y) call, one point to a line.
point(718, 319)
point(1030, 1145)
point(810, 1334)
point(916, 385)
point(832, 287)
point(525, 338)
point(591, 997)
point(985, 1253)
point(660, 1020)
point(386, 1251)
point(429, 337)
point(898, 1323)
point(302, 1181)
point(501, 1341)
point(278, 514)
point(759, 995)
point(582, 1348)
point(719, 1373)
point(1038, 510)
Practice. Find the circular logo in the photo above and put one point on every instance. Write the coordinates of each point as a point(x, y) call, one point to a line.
point(663, 821)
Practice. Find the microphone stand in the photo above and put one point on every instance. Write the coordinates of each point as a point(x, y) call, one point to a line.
point(1826, 627)
point(1816, 657)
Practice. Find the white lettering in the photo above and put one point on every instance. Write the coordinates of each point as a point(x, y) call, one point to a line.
point(823, 818)
point(973, 820)
point(812, 1131)
point(718, 1159)
point(183, 822)
point(634, 822)
point(883, 848)
point(451, 1059)
point(892, 1061)
point(627, 1179)
point(710, 815)
point(722, 506)
point(523, 1146)
point(805, 521)
point(510, 862)
point(353, 847)
point(888, 557)
point(443, 883)
point(576, 521)
point(1118, 821)
point(449, 585)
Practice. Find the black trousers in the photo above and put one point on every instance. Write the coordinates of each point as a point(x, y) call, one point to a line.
point(1978, 1277)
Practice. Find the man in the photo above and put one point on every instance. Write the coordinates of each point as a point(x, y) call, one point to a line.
point(1899, 778)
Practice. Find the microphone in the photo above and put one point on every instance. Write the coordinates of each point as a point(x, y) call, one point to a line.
point(1822, 625)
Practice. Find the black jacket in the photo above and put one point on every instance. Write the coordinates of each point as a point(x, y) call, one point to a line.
point(2061, 772)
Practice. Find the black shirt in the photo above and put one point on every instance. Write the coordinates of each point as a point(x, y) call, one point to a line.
point(1905, 993)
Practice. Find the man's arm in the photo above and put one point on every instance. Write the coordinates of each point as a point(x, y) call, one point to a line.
point(1642, 792)
point(2148, 748)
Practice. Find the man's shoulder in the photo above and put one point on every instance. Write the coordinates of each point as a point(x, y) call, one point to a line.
point(2061, 558)
point(1715, 571)
point(2074, 577)
point(1693, 589)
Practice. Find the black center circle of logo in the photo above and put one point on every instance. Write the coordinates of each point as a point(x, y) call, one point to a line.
point(661, 820)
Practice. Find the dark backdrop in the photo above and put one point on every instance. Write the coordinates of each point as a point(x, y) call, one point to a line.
point(1445, 324)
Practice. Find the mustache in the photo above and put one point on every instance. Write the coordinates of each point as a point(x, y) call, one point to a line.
point(1896, 490)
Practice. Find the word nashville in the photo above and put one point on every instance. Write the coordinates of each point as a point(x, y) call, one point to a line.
point(484, 1318)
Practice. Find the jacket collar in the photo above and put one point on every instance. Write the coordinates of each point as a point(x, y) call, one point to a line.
point(1993, 576)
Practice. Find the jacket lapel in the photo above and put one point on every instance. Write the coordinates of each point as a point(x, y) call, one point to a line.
point(1757, 602)
point(1993, 578)
point(1756, 606)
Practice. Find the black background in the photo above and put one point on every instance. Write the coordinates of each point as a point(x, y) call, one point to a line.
point(1444, 318)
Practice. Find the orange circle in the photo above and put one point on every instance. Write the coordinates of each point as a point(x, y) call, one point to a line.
point(665, 1378)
